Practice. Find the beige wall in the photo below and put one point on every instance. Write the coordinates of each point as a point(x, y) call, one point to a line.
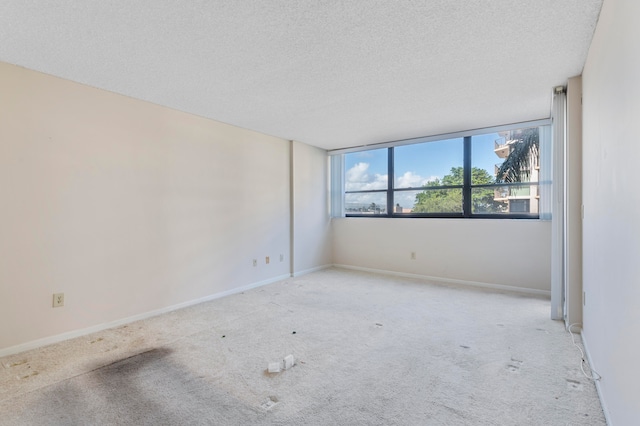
point(311, 230)
point(127, 207)
point(509, 252)
point(611, 224)
point(573, 203)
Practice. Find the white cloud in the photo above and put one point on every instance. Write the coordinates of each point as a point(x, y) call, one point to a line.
point(357, 173)
point(410, 180)
point(358, 179)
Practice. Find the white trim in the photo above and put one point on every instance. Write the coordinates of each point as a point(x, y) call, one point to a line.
point(83, 332)
point(292, 209)
point(501, 287)
point(444, 136)
point(605, 410)
point(557, 208)
point(308, 271)
point(336, 185)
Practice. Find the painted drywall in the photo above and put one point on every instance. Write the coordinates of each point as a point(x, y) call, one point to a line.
point(573, 203)
point(311, 220)
point(127, 207)
point(611, 229)
point(514, 253)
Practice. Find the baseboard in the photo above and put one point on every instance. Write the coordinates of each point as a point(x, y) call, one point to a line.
point(605, 410)
point(82, 332)
point(531, 291)
point(308, 271)
point(34, 344)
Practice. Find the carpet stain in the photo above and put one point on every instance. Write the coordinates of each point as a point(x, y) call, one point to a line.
point(24, 367)
point(513, 368)
point(574, 385)
point(112, 348)
point(269, 403)
point(33, 373)
point(16, 363)
point(135, 360)
point(514, 365)
point(215, 380)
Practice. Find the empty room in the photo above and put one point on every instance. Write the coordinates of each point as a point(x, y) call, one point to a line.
point(319, 212)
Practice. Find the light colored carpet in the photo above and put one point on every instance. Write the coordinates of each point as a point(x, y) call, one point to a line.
point(369, 349)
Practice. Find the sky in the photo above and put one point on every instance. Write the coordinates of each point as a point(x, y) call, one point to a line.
point(415, 165)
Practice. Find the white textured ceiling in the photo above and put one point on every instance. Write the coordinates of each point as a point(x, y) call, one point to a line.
point(328, 73)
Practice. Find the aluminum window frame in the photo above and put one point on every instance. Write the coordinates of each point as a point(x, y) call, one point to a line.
point(467, 186)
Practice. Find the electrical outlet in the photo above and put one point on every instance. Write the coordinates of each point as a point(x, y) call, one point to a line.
point(58, 300)
point(266, 260)
point(281, 257)
point(413, 255)
point(255, 262)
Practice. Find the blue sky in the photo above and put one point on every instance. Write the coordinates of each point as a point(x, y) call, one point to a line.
point(427, 160)
point(415, 165)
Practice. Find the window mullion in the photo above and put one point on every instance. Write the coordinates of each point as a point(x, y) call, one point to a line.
point(466, 177)
point(390, 179)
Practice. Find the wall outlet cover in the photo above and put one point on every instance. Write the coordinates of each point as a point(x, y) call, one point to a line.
point(58, 300)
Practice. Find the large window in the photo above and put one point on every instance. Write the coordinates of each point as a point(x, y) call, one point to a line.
point(365, 182)
point(493, 174)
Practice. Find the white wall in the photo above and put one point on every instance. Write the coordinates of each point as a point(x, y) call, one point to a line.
point(573, 203)
point(127, 207)
point(311, 230)
point(507, 252)
point(611, 225)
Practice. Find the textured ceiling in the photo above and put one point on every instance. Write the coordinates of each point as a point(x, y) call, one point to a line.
point(328, 73)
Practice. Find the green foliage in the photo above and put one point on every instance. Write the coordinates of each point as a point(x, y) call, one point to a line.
point(449, 200)
point(438, 200)
point(516, 167)
point(441, 200)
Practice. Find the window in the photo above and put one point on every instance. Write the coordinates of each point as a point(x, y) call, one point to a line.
point(365, 182)
point(492, 174)
point(428, 177)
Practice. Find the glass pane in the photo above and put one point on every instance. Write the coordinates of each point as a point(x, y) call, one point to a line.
point(436, 163)
point(505, 199)
point(488, 200)
point(516, 151)
point(366, 170)
point(428, 201)
point(365, 203)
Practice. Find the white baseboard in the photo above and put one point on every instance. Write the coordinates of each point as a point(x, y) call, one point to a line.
point(83, 332)
point(308, 271)
point(500, 287)
point(605, 410)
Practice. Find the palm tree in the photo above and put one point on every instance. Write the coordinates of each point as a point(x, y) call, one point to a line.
point(525, 146)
